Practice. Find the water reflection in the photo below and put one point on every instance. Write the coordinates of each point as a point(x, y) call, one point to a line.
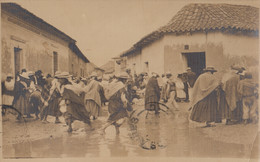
point(171, 131)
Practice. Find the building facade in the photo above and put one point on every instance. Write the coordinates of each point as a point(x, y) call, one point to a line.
point(200, 35)
point(30, 43)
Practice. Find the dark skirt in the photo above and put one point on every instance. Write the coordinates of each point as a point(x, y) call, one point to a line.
point(35, 102)
point(206, 109)
point(238, 112)
point(93, 108)
point(77, 112)
point(151, 103)
point(226, 113)
point(121, 113)
point(22, 104)
point(54, 105)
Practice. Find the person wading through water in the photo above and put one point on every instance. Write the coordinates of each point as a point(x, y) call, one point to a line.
point(92, 96)
point(152, 94)
point(118, 103)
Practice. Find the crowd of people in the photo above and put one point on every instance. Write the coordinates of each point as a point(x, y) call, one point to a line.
point(233, 97)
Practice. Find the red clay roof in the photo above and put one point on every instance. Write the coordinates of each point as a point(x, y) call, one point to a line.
point(205, 17)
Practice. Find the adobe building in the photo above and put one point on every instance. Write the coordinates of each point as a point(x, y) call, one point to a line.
point(200, 35)
point(31, 43)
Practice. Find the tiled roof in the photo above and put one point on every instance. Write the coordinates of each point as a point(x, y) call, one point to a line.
point(206, 17)
point(77, 51)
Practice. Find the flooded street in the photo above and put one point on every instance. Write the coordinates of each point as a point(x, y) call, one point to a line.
point(173, 135)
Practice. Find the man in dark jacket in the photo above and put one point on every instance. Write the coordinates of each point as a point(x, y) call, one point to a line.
point(152, 94)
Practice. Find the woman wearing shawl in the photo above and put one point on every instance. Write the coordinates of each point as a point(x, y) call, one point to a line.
point(230, 101)
point(118, 103)
point(73, 94)
point(204, 98)
point(21, 98)
point(55, 98)
point(152, 94)
point(92, 96)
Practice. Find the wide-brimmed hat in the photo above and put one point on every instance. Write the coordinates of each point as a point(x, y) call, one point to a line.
point(38, 72)
point(168, 73)
point(188, 69)
point(155, 74)
point(210, 68)
point(238, 68)
point(63, 75)
point(123, 75)
point(93, 74)
point(24, 75)
point(57, 73)
point(242, 73)
point(83, 79)
point(30, 73)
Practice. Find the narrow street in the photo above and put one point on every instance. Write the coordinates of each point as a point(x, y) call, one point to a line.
point(174, 135)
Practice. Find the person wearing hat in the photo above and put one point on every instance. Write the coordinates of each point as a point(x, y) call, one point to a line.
point(8, 90)
point(191, 76)
point(39, 78)
point(35, 99)
point(118, 104)
point(54, 99)
point(21, 97)
point(32, 81)
point(164, 93)
point(248, 91)
point(230, 102)
point(152, 94)
point(204, 98)
point(145, 79)
point(93, 97)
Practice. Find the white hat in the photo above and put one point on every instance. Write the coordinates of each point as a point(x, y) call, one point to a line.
point(243, 73)
point(57, 73)
point(154, 74)
point(93, 74)
point(63, 75)
point(25, 75)
point(123, 75)
point(30, 73)
point(83, 79)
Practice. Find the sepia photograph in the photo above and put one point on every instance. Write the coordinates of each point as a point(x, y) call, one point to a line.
point(129, 80)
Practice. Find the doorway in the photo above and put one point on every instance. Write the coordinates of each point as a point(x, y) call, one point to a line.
point(17, 59)
point(196, 61)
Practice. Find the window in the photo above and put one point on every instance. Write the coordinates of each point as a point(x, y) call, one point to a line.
point(55, 62)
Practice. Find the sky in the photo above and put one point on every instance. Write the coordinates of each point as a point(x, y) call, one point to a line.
point(104, 29)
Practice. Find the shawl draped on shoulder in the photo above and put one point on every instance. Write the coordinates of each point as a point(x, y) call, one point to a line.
point(92, 92)
point(111, 88)
point(204, 85)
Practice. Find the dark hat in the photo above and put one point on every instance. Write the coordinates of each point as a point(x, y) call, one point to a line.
point(38, 72)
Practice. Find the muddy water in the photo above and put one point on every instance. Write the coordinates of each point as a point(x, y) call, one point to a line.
point(171, 134)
